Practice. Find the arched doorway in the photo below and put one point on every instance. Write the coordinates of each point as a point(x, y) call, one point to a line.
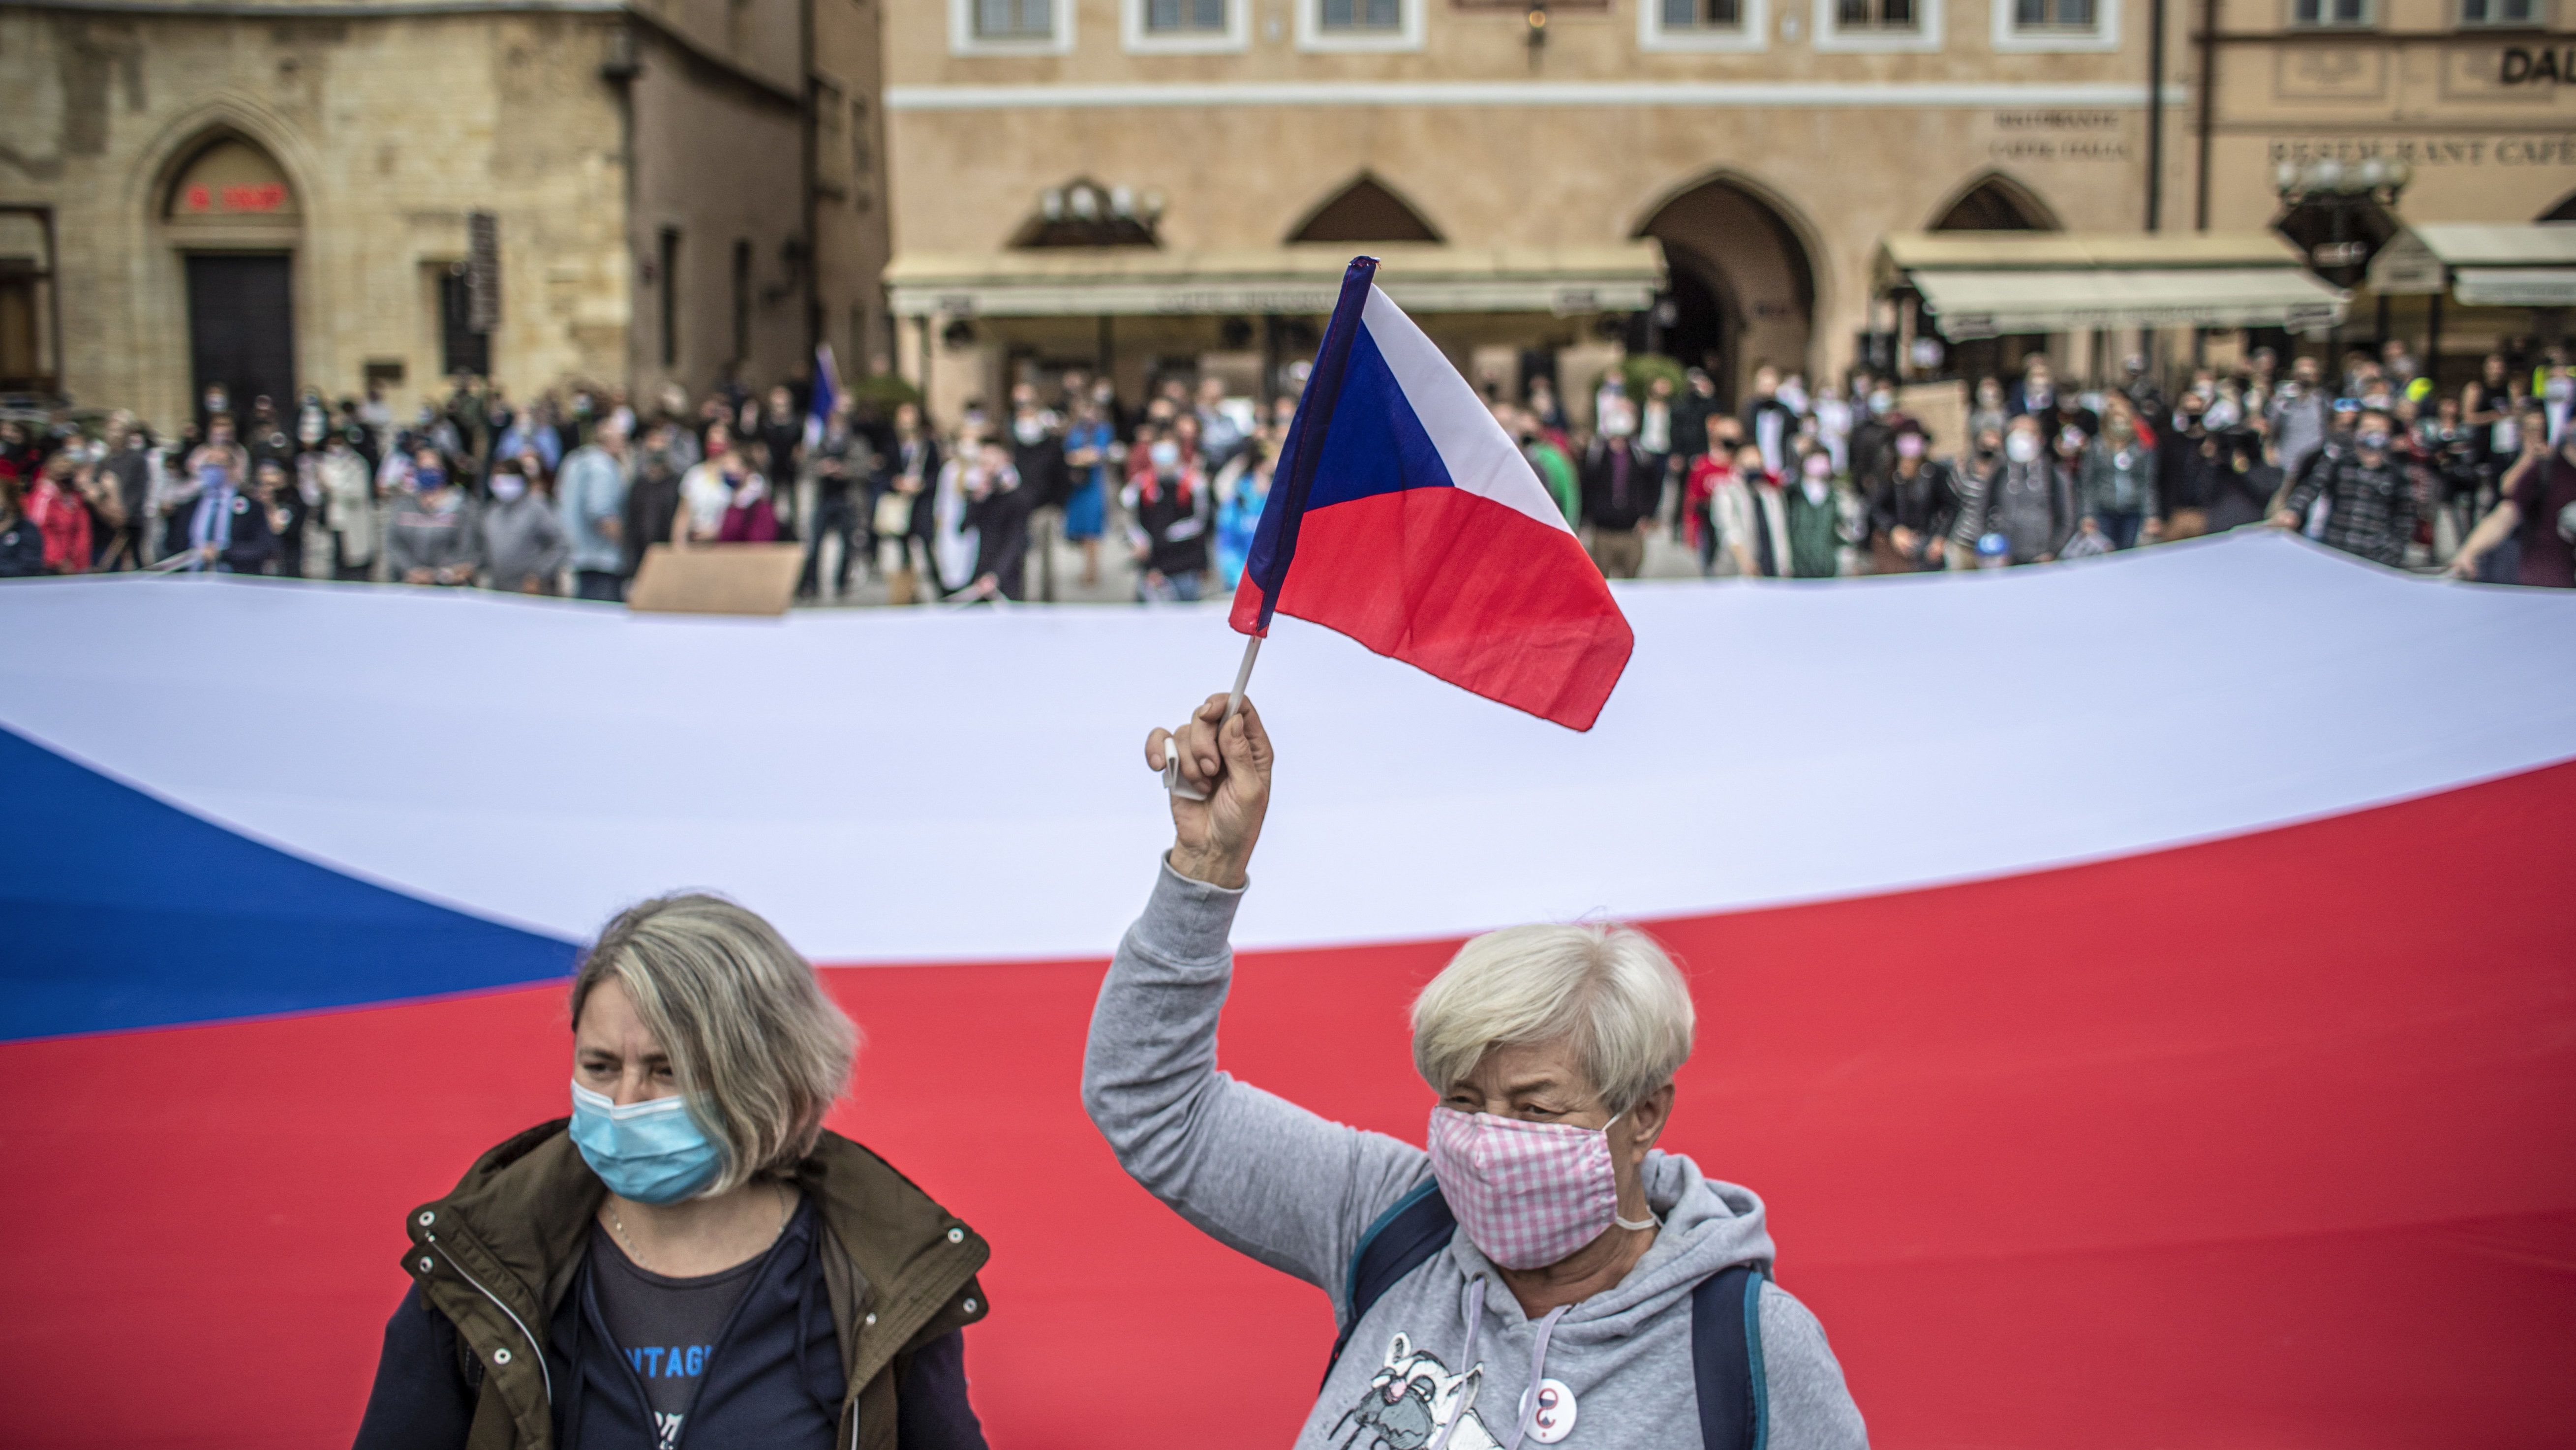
point(233, 218)
point(1740, 290)
point(1995, 202)
point(1367, 210)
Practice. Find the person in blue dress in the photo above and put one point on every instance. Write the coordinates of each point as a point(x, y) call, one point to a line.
point(1091, 451)
point(1241, 490)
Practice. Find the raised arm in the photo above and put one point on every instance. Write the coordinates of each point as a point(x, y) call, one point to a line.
point(1257, 1172)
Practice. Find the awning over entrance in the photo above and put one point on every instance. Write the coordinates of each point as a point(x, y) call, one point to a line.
point(1134, 281)
point(1985, 284)
point(2529, 264)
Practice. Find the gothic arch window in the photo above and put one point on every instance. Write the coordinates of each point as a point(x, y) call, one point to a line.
point(231, 183)
point(1367, 210)
point(1996, 203)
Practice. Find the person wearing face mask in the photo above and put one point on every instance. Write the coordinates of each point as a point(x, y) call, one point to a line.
point(1814, 516)
point(128, 467)
point(1542, 1268)
point(2299, 416)
point(691, 1257)
point(347, 488)
point(2027, 499)
point(707, 489)
point(2115, 481)
point(429, 536)
point(1168, 510)
point(1912, 505)
point(520, 537)
point(1623, 492)
point(1873, 431)
point(1752, 517)
point(2369, 499)
point(1092, 455)
point(999, 501)
point(2535, 521)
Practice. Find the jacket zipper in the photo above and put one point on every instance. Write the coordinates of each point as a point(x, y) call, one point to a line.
point(534, 1348)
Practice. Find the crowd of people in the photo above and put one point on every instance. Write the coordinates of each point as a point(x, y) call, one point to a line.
point(1844, 480)
point(566, 491)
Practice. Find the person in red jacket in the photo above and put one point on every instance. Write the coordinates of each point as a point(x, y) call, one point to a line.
point(56, 508)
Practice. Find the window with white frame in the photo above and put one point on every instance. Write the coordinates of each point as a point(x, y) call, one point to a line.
point(1359, 17)
point(1010, 27)
point(1875, 15)
point(1360, 24)
point(1183, 26)
point(2035, 25)
point(1702, 24)
point(1688, 15)
point(1184, 19)
point(1014, 19)
point(2506, 13)
point(2053, 14)
point(1882, 25)
point(2331, 12)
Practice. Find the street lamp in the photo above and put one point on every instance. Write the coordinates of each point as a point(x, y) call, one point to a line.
point(2344, 198)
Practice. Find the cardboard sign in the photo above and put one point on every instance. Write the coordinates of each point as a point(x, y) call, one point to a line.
point(1942, 409)
point(716, 579)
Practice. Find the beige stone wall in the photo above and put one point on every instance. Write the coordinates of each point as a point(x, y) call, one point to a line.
point(852, 238)
point(2415, 88)
point(390, 131)
point(2482, 150)
point(718, 160)
point(1840, 165)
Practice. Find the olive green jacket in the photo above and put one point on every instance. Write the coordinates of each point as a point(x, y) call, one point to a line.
point(498, 1253)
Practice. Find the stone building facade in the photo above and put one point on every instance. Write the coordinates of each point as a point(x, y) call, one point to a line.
point(276, 194)
point(1766, 145)
point(2475, 99)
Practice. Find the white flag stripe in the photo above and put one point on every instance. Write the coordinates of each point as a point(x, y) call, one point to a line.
point(1481, 457)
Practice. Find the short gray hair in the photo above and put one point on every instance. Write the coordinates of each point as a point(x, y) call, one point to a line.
point(752, 1038)
point(1608, 990)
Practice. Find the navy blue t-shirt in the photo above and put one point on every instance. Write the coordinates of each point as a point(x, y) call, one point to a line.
point(665, 1327)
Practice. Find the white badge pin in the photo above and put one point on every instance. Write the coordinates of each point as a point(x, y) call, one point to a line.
point(1552, 1419)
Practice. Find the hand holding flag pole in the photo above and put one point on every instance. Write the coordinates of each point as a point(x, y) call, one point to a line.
point(1420, 530)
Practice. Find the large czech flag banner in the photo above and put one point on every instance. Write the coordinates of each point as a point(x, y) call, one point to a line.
point(2142, 991)
point(1402, 515)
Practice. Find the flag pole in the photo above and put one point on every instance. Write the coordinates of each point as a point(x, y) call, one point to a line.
point(1172, 780)
point(1242, 675)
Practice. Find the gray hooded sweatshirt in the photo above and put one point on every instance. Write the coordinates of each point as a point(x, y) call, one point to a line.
point(1297, 1192)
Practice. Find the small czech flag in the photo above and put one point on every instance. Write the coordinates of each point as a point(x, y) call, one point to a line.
point(1403, 516)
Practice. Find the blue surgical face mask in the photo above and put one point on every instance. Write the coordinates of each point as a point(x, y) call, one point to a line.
point(651, 1152)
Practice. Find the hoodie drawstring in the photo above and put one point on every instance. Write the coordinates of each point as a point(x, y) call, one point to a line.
point(1472, 1301)
point(1538, 1372)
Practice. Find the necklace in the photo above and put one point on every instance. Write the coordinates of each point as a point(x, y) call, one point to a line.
point(619, 1224)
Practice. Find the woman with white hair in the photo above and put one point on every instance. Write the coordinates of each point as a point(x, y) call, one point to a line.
point(1541, 1274)
point(691, 1248)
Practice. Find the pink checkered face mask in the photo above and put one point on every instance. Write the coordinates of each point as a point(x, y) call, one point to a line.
point(1528, 1194)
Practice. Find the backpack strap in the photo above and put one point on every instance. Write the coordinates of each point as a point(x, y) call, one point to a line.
point(1726, 1358)
point(1401, 1241)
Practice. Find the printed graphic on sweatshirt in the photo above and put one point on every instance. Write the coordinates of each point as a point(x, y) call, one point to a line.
point(1409, 1399)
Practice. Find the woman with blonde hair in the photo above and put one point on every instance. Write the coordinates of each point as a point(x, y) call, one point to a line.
point(1540, 1267)
point(691, 1248)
